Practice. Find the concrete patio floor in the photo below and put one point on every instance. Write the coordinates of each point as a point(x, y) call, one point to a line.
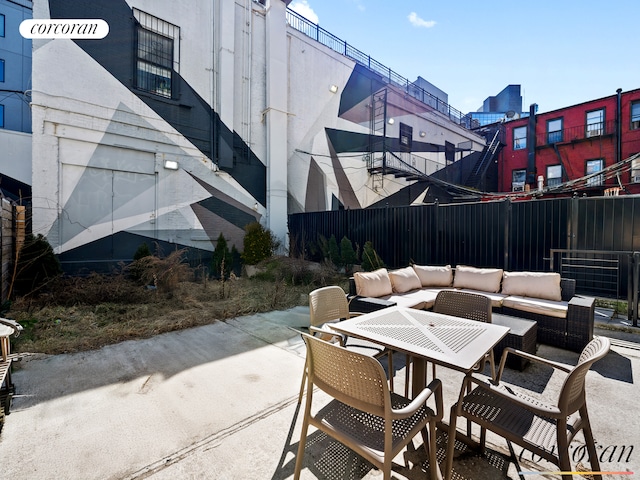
point(220, 402)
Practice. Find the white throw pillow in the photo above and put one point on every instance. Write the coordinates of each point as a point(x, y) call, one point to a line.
point(373, 284)
point(434, 276)
point(532, 284)
point(483, 279)
point(404, 280)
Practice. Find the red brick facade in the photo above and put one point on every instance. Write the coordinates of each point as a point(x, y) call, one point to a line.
point(572, 142)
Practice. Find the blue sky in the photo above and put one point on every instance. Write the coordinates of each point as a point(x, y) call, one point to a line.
point(561, 52)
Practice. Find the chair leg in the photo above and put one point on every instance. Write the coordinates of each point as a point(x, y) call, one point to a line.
point(408, 361)
point(303, 437)
point(563, 450)
point(451, 443)
point(434, 468)
point(391, 372)
point(591, 446)
point(304, 378)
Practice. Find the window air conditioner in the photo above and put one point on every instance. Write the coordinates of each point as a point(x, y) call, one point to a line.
point(517, 186)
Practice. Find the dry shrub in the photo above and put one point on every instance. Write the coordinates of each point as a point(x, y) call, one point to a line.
point(164, 273)
point(90, 312)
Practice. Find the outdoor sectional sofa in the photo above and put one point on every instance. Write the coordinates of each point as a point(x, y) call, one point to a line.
point(563, 318)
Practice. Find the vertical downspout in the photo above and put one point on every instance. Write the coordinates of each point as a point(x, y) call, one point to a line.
point(531, 145)
point(619, 126)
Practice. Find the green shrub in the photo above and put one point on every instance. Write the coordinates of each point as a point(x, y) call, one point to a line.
point(370, 259)
point(36, 267)
point(259, 244)
point(222, 258)
point(142, 251)
point(334, 252)
point(348, 256)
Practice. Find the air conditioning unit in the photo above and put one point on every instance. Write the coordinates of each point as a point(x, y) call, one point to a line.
point(635, 178)
point(517, 186)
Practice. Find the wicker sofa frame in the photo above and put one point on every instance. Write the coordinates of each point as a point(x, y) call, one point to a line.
point(573, 332)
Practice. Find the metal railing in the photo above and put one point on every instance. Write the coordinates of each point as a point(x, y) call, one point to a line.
point(312, 30)
point(600, 273)
point(579, 132)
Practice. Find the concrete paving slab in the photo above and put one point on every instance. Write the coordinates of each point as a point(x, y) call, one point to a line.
point(220, 402)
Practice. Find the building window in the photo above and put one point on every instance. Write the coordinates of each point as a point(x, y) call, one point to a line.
point(594, 166)
point(554, 175)
point(1, 70)
point(406, 137)
point(157, 54)
point(635, 115)
point(518, 179)
point(595, 123)
point(1, 25)
point(154, 63)
point(519, 138)
point(554, 131)
point(1, 116)
point(635, 171)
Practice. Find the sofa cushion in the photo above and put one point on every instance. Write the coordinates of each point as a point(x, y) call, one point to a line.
point(496, 298)
point(404, 280)
point(483, 279)
point(434, 276)
point(537, 305)
point(532, 284)
point(419, 299)
point(373, 284)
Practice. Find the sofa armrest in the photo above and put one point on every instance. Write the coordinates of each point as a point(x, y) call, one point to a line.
point(567, 288)
point(352, 287)
point(580, 319)
point(368, 304)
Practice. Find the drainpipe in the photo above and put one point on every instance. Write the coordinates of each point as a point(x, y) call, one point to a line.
point(619, 126)
point(531, 145)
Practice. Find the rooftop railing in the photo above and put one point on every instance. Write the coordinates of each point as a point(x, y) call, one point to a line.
point(312, 30)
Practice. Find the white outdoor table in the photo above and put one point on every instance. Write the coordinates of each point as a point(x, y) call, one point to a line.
point(427, 336)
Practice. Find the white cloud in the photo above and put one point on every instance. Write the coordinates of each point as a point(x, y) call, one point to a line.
point(416, 21)
point(303, 8)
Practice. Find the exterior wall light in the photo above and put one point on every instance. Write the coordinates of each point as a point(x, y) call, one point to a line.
point(170, 164)
point(333, 89)
point(423, 133)
point(391, 121)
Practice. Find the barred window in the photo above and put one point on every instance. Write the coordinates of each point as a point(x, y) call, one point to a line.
point(554, 131)
point(595, 123)
point(157, 54)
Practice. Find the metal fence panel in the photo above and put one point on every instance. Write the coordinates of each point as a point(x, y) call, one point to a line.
point(502, 234)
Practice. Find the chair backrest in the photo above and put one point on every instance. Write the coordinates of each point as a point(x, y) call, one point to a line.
point(327, 304)
point(572, 394)
point(353, 378)
point(464, 305)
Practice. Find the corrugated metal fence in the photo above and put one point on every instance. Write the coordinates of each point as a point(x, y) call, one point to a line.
point(519, 235)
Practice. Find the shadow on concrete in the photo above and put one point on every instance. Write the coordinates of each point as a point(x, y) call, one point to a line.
point(163, 355)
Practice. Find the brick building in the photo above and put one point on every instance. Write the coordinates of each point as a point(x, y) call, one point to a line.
point(570, 143)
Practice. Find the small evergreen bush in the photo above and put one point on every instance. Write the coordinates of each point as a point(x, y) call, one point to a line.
point(348, 256)
point(37, 266)
point(222, 258)
point(334, 252)
point(259, 244)
point(370, 259)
